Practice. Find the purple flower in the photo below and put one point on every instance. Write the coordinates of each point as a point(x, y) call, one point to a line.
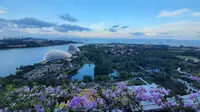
point(130, 92)
point(94, 91)
point(26, 88)
point(106, 94)
point(195, 78)
point(78, 90)
point(73, 87)
point(121, 85)
point(109, 90)
point(100, 101)
point(179, 97)
point(164, 91)
point(20, 95)
point(80, 102)
point(41, 98)
point(113, 95)
point(192, 96)
point(93, 104)
point(4, 110)
point(158, 101)
point(39, 108)
point(123, 93)
point(49, 90)
point(152, 90)
point(123, 100)
point(198, 92)
point(167, 104)
point(188, 104)
point(140, 90)
point(146, 97)
point(74, 102)
point(57, 89)
point(118, 91)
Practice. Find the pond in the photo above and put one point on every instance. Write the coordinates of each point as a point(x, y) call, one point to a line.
point(87, 69)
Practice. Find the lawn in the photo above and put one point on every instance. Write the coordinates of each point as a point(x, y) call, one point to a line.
point(135, 82)
point(168, 84)
point(149, 80)
point(189, 57)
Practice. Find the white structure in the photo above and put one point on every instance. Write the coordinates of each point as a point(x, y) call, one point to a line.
point(73, 49)
point(190, 87)
point(53, 55)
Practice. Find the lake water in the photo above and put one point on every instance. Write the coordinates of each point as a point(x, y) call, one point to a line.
point(13, 58)
point(87, 69)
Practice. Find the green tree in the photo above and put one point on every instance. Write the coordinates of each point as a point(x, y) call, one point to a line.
point(87, 78)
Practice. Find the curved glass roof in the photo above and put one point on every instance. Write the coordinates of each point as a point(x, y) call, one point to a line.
point(56, 55)
point(73, 49)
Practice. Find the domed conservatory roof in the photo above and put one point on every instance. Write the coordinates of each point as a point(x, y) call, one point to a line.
point(73, 49)
point(53, 55)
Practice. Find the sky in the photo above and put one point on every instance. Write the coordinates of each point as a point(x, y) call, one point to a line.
point(157, 19)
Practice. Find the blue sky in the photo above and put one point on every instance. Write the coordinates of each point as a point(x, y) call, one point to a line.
point(176, 19)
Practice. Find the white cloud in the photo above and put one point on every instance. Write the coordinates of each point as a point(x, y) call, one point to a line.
point(2, 11)
point(100, 34)
point(184, 11)
point(177, 30)
point(168, 13)
point(196, 13)
point(99, 26)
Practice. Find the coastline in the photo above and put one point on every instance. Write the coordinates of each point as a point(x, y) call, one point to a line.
point(10, 48)
point(24, 56)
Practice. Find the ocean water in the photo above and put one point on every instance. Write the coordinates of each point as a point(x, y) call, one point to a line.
point(170, 42)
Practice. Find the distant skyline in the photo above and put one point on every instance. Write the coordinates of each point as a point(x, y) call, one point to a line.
point(156, 19)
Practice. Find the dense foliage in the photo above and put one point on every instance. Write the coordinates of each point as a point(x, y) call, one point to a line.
point(137, 58)
point(30, 42)
point(70, 97)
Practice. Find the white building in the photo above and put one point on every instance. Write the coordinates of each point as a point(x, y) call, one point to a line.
point(73, 49)
point(53, 55)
